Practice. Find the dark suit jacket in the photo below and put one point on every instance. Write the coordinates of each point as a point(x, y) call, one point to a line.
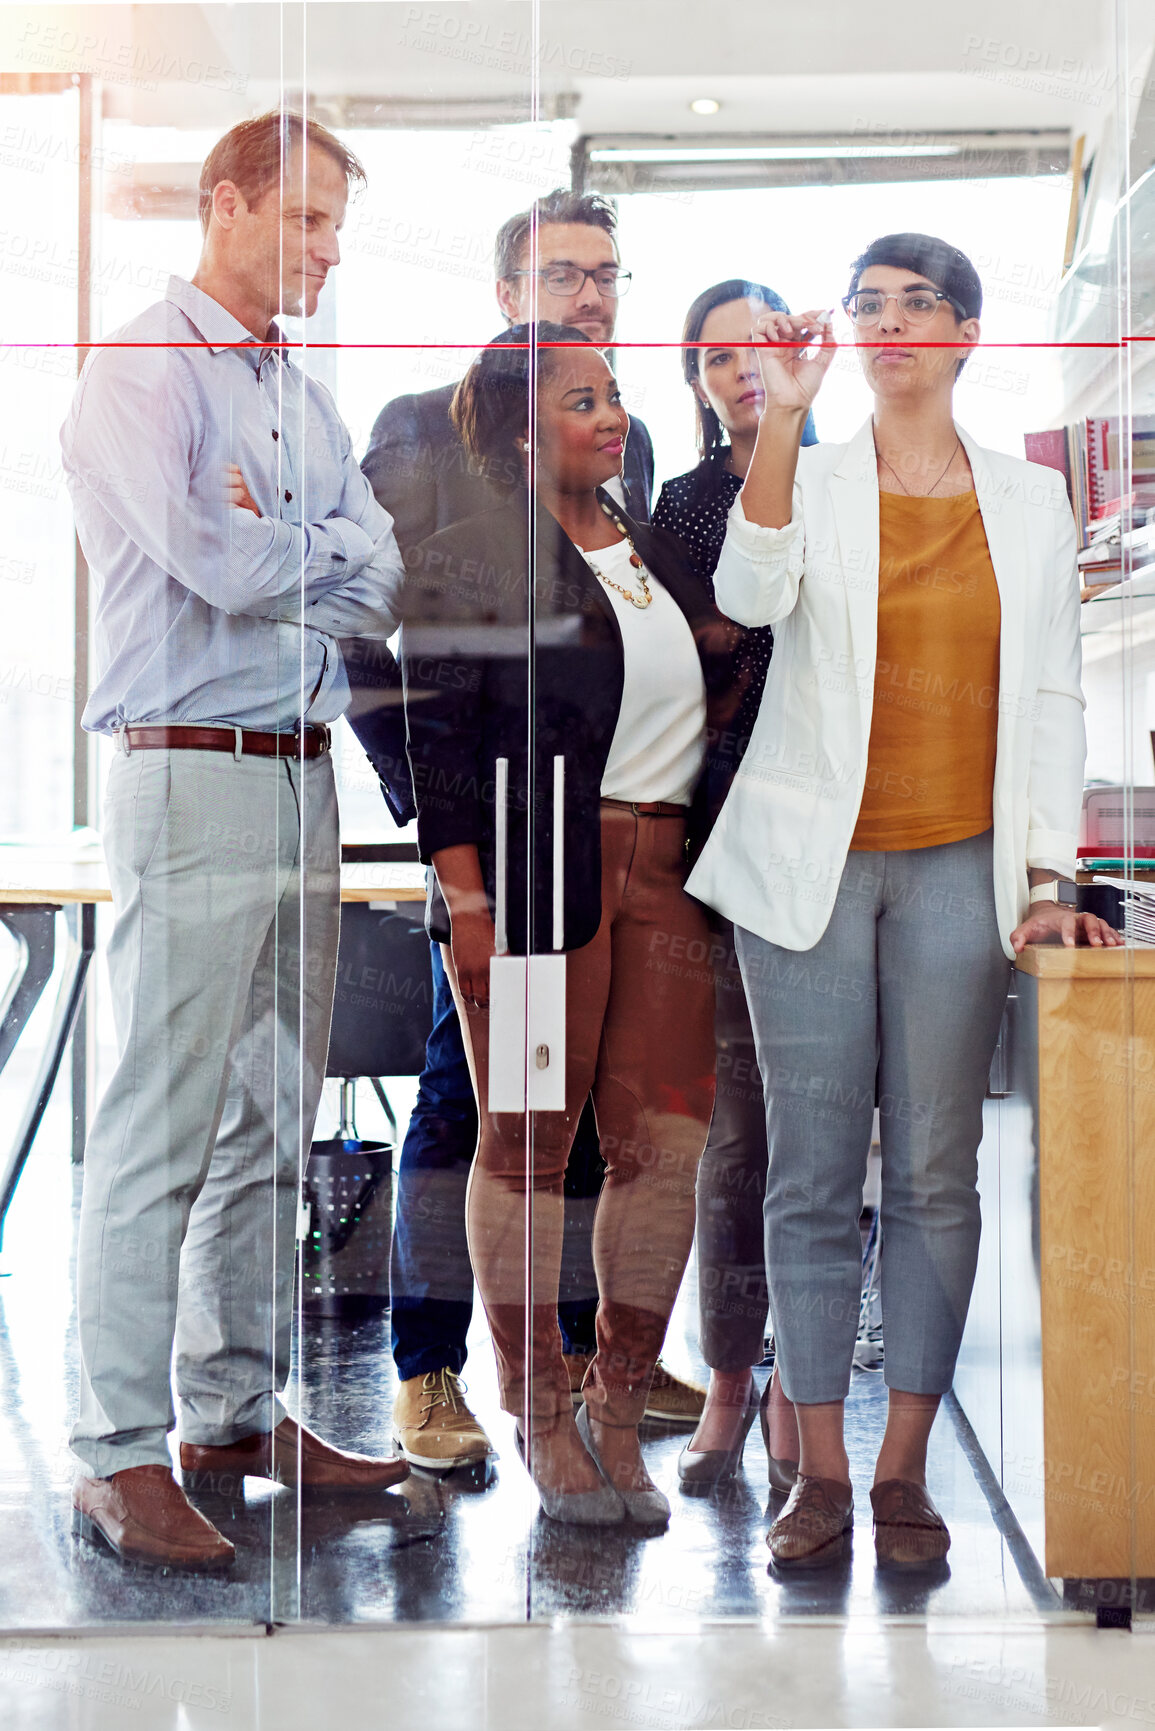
point(466, 645)
point(419, 471)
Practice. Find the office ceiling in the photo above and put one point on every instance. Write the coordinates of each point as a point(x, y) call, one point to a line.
point(614, 66)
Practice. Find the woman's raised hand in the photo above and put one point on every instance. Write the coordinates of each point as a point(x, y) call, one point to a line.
point(790, 379)
point(791, 376)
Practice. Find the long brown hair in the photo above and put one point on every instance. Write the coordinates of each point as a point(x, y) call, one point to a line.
point(711, 433)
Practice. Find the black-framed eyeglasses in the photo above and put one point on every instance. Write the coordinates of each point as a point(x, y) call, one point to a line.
point(917, 305)
point(570, 279)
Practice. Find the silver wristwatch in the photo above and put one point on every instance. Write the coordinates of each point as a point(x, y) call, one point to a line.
point(1057, 890)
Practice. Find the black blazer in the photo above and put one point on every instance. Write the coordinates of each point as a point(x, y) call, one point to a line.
point(467, 646)
point(419, 471)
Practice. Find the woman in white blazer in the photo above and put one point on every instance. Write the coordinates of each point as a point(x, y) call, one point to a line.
point(904, 822)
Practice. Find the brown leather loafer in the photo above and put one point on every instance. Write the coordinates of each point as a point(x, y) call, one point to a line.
point(143, 1516)
point(286, 1454)
point(810, 1529)
point(908, 1529)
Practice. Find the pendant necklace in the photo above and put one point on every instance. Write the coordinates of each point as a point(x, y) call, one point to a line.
point(898, 477)
point(641, 601)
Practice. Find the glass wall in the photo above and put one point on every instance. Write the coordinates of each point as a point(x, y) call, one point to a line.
point(581, 707)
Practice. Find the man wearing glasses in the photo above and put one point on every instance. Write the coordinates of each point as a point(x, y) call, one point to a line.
point(415, 460)
point(557, 261)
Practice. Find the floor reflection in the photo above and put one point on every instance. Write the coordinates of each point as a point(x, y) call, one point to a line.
point(458, 1549)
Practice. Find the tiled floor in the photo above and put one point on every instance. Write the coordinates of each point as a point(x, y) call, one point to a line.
point(681, 1630)
point(575, 1676)
point(446, 1551)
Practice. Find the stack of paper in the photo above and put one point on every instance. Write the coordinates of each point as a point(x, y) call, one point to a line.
point(1138, 908)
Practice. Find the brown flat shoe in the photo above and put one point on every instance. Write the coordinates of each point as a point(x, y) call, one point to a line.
point(908, 1529)
point(810, 1529)
point(143, 1516)
point(274, 1455)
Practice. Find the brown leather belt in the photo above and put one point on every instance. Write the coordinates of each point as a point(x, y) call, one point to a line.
point(240, 741)
point(650, 808)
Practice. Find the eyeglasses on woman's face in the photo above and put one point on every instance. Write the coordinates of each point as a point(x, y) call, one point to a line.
point(570, 279)
point(917, 305)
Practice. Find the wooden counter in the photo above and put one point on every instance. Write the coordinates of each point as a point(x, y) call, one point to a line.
point(1063, 1330)
point(1057, 962)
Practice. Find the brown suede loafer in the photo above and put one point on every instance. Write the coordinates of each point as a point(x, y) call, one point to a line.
point(908, 1529)
point(810, 1529)
point(143, 1516)
point(286, 1454)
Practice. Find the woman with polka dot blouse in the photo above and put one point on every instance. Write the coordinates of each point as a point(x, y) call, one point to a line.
point(724, 377)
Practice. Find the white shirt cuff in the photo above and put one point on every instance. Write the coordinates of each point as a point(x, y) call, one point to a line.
point(755, 540)
point(1052, 850)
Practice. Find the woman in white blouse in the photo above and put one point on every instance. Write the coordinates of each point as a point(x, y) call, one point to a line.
point(628, 657)
point(899, 828)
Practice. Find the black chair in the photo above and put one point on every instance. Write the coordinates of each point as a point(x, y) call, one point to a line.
point(382, 1014)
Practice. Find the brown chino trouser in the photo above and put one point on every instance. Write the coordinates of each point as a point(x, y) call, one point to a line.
point(640, 1037)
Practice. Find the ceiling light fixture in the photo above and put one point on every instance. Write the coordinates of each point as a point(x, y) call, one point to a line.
point(704, 105)
point(769, 153)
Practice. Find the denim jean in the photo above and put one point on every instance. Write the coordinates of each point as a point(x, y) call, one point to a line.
point(906, 986)
point(431, 1278)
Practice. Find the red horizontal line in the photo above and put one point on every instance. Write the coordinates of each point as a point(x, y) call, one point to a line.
point(1119, 343)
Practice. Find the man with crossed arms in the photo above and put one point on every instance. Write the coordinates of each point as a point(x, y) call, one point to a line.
point(247, 544)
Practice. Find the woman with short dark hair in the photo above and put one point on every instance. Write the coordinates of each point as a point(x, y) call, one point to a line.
point(903, 823)
point(628, 655)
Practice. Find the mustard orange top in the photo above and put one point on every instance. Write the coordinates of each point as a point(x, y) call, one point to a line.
point(931, 761)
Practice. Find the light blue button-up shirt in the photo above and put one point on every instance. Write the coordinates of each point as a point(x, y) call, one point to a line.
point(205, 612)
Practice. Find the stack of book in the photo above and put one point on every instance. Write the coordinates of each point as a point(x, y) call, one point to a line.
point(1122, 543)
point(1116, 537)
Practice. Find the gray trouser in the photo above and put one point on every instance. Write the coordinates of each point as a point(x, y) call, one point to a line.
point(732, 1300)
point(906, 985)
point(224, 875)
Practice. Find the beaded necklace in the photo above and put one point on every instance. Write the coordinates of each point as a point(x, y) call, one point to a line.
point(646, 597)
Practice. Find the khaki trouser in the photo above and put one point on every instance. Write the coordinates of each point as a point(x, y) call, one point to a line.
point(219, 869)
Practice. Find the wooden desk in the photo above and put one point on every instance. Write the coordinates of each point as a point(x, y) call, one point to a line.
point(1062, 1335)
point(36, 884)
point(37, 877)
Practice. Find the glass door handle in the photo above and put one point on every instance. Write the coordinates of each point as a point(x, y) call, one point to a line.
point(527, 1031)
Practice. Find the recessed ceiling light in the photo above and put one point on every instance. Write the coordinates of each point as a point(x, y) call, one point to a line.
point(704, 105)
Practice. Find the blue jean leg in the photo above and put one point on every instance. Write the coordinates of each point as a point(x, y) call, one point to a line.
point(430, 1277)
